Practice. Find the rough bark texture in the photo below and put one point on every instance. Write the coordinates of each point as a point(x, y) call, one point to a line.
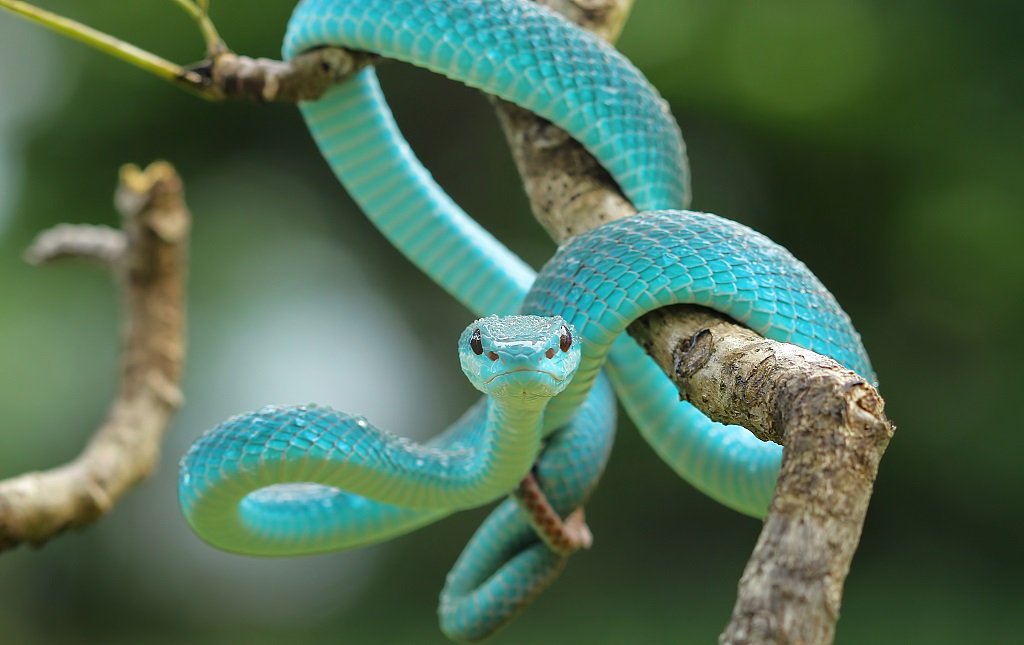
point(148, 258)
point(226, 75)
point(835, 431)
point(829, 419)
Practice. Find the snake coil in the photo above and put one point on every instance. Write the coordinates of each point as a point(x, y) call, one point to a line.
point(598, 282)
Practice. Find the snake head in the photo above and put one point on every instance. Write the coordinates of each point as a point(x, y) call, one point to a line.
point(528, 356)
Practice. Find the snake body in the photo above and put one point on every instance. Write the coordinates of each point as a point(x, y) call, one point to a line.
point(233, 479)
point(359, 138)
point(599, 282)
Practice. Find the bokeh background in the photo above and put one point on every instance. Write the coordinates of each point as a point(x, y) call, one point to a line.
point(881, 142)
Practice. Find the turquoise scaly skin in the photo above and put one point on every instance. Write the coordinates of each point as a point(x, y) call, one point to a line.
point(517, 51)
point(604, 279)
point(357, 135)
point(336, 463)
point(244, 517)
point(505, 565)
point(601, 281)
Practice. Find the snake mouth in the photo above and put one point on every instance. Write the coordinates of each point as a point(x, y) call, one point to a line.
point(526, 369)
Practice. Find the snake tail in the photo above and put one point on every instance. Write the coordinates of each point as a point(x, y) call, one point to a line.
point(506, 564)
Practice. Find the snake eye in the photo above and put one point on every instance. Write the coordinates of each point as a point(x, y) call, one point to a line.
point(564, 339)
point(475, 343)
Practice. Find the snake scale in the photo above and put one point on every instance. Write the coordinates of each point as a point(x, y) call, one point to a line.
point(305, 479)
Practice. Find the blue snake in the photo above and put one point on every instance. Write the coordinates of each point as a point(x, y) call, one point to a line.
point(600, 281)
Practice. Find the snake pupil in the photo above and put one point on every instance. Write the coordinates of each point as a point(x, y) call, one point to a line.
point(565, 339)
point(475, 343)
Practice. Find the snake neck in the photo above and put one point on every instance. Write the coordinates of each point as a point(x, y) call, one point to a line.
point(521, 414)
point(514, 438)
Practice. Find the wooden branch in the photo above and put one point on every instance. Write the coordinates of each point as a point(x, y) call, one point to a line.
point(65, 241)
point(834, 429)
point(226, 75)
point(830, 420)
point(606, 18)
point(148, 258)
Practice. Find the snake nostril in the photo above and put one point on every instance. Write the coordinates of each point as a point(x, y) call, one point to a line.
point(493, 356)
point(550, 353)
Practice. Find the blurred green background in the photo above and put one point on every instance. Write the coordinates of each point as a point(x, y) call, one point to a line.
point(881, 142)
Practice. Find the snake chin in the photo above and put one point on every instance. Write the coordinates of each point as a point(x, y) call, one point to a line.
point(531, 384)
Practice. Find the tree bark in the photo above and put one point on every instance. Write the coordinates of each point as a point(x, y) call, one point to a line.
point(148, 259)
point(830, 420)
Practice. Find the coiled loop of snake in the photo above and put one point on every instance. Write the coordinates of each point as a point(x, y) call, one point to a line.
point(599, 281)
point(525, 54)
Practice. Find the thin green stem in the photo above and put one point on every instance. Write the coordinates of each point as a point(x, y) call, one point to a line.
point(116, 47)
point(214, 43)
point(99, 40)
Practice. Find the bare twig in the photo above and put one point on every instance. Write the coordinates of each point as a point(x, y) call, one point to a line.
point(223, 74)
point(148, 257)
point(65, 241)
point(830, 420)
point(108, 44)
point(214, 43)
point(304, 78)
